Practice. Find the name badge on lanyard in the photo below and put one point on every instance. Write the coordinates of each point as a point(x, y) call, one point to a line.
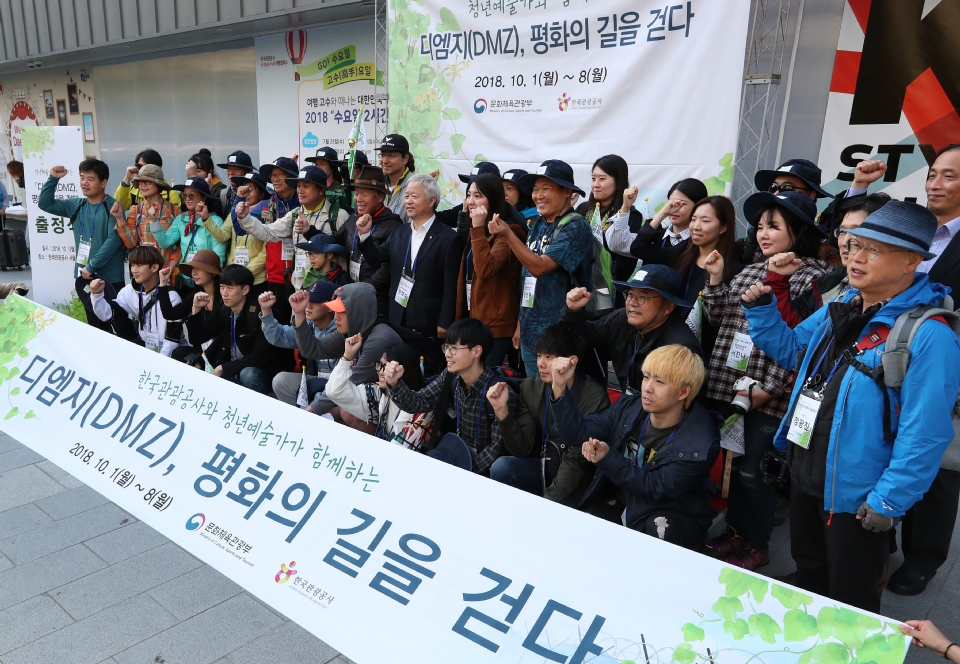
point(740, 349)
point(355, 270)
point(403, 289)
point(300, 265)
point(241, 255)
point(529, 291)
point(83, 253)
point(804, 416)
point(286, 249)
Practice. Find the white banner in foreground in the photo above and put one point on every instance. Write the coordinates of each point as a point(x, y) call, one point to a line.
point(381, 552)
point(518, 82)
point(53, 252)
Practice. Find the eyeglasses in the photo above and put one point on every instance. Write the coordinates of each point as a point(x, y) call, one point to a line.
point(640, 299)
point(854, 248)
point(840, 231)
point(786, 186)
point(452, 350)
point(381, 366)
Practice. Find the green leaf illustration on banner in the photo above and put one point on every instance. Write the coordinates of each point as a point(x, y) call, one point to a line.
point(791, 599)
point(20, 322)
point(36, 141)
point(798, 625)
point(420, 91)
point(717, 184)
point(692, 633)
point(684, 654)
point(751, 616)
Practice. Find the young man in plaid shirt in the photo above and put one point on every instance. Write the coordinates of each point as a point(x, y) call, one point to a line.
point(462, 387)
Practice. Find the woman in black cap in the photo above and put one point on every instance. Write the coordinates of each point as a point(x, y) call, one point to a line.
point(245, 249)
point(741, 374)
point(519, 200)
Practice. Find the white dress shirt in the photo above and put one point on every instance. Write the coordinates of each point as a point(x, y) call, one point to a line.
point(941, 239)
point(417, 236)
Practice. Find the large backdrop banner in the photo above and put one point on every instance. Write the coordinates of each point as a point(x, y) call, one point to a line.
point(520, 81)
point(895, 93)
point(311, 84)
point(383, 553)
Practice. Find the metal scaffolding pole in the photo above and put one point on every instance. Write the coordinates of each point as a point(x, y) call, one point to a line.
point(381, 54)
point(758, 105)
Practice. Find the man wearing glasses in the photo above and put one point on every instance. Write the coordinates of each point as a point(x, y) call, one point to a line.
point(655, 315)
point(458, 394)
point(856, 462)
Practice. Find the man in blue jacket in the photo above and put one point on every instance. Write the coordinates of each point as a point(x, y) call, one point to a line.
point(850, 481)
point(99, 249)
point(657, 447)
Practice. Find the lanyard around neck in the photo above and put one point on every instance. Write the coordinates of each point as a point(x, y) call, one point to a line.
point(456, 400)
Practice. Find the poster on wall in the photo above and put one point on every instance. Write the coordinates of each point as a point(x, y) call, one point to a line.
point(520, 82)
point(44, 97)
point(53, 250)
point(383, 553)
point(311, 85)
point(899, 104)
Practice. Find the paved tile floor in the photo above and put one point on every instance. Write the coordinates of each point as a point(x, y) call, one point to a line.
point(83, 581)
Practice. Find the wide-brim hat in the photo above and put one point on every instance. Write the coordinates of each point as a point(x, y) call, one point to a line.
point(394, 143)
point(659, 278)
point(480, 169)
point(804, 169)
point(326, 153)
point(151, 173)
point(239, 159)
point(797, 203)
point(199, 184)
point(253, 178)
point(513, 175)
point(285, 164)
point(205, 260)
point(361, 159)
point(900, 224)
point(324, 244)
point(370, 177)
point(552, 169)
point(318, 176)
point(109, 292)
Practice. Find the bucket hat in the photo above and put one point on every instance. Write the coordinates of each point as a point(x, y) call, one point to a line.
point(240, 159)
point(901, 224)
point(205, 260)
point(324, 244)
point(196, 183)
point(326, 153)
point(151, 173)
point(552, 169)
point(480, 169)
point(804, 169)
point(285, 164)
point(361, 159)
point(370, 177)
point(793, 201)
point(318, 176)
point(659, 278)
point(513, 175)
point(253, 178)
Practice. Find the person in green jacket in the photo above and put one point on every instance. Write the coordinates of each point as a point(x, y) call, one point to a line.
point(542, 463)
point(188, 228)
point(99, 249)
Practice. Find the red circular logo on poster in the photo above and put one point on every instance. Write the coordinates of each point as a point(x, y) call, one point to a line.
point(20, 115)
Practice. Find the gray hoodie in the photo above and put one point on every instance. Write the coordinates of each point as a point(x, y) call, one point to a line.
point(360, 302)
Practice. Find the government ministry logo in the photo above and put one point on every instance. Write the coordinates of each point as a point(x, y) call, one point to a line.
point(196, 522)
point(479, 106)
point(284, 574)
point(564, 101)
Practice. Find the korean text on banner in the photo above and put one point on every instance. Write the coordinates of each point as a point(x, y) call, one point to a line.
point(53, 251)
point(519, 82)
point(358, 539)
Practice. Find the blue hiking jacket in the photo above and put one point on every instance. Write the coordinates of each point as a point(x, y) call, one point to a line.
point(861, 466)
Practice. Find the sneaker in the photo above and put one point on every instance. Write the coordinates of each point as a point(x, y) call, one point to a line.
point(781, 512)
point(725, 545)
point(749, 557)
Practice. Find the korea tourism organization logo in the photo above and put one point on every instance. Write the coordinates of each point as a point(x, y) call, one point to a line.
point(479, 106)
point(564, 101)
point(284, 574)
point(196, 522)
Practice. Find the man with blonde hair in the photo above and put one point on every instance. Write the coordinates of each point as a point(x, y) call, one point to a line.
point(657, 447)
